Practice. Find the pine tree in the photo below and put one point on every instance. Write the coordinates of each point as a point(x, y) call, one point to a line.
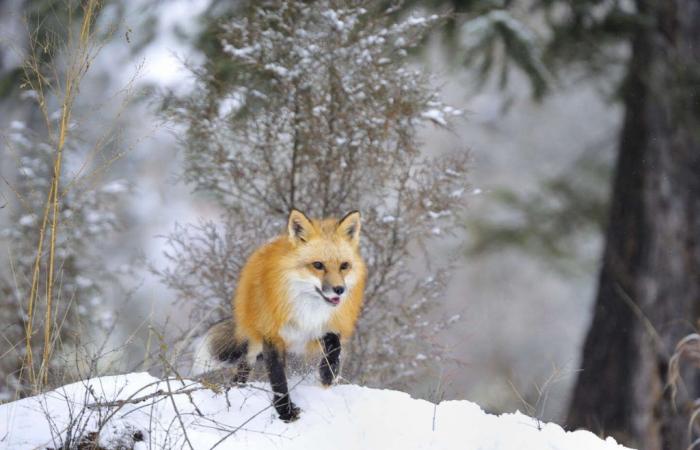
point(649, 288)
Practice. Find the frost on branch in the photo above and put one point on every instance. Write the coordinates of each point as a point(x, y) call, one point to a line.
point(317, 108)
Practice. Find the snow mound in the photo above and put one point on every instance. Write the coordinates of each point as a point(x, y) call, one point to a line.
point(340, 417)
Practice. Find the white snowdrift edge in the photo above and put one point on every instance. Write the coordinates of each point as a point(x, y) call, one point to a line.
point(341, 417)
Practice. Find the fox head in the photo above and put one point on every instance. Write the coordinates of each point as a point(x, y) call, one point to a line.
point(326, 255)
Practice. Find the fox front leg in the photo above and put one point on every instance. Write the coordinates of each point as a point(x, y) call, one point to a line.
point(274, 362)
point(330, 363)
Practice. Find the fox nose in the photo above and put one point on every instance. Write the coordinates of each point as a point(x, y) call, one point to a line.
point(339, 289)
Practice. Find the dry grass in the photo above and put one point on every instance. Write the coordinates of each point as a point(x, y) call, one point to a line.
point(687, 351)
point(80, 58)
point(61, 188)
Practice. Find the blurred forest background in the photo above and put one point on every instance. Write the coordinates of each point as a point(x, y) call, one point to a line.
point(528, 173)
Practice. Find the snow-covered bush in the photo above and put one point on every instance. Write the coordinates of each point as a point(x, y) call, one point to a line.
point(317, 108)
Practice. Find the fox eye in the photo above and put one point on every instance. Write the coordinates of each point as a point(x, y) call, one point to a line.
point(344, 266)
point(318, 265)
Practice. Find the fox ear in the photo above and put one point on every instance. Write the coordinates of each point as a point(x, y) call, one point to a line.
point(349, 227)
point(298, 226)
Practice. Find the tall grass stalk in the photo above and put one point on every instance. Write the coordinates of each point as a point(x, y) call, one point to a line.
point(79, 57)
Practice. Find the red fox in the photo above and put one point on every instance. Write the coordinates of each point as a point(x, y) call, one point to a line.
point(301, 292)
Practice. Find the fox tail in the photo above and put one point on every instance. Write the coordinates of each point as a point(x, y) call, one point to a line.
point(218, 349)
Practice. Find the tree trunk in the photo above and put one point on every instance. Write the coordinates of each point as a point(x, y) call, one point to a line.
point(649, 287)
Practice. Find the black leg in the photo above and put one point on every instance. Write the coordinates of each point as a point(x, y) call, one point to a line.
point(274, 361)
point(330, 363)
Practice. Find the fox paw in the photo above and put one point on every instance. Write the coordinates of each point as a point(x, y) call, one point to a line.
point(328, 375)
point(291, 414)
point(328, 381)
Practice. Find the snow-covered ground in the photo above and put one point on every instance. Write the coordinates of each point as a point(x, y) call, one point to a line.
point(340, 417)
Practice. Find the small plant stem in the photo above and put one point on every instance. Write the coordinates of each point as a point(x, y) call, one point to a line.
point(73, 76)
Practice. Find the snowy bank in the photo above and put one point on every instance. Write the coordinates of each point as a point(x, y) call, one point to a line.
point(341, 417)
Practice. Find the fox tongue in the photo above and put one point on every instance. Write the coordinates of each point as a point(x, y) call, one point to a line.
point(330, 300)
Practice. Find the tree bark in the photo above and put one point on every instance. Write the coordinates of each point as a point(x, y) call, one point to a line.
point(649, 287)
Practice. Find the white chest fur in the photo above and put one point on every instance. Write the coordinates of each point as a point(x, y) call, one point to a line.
point(309, 318)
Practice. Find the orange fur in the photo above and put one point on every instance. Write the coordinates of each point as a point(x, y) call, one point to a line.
point(264, 300)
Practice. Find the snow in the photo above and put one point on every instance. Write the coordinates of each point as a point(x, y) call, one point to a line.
point(457, 193)
point(232, 104)
point(115, 187)
point(333, 17)
point(438, 214)
point(29, 94)
point(420, 20)
point(278, 70)
point(240, 52)
point(27, 220)
point(436, 116)
point(342, 417)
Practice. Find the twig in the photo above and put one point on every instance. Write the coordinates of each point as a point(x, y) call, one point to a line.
point(177, 414)
point(137, 400)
